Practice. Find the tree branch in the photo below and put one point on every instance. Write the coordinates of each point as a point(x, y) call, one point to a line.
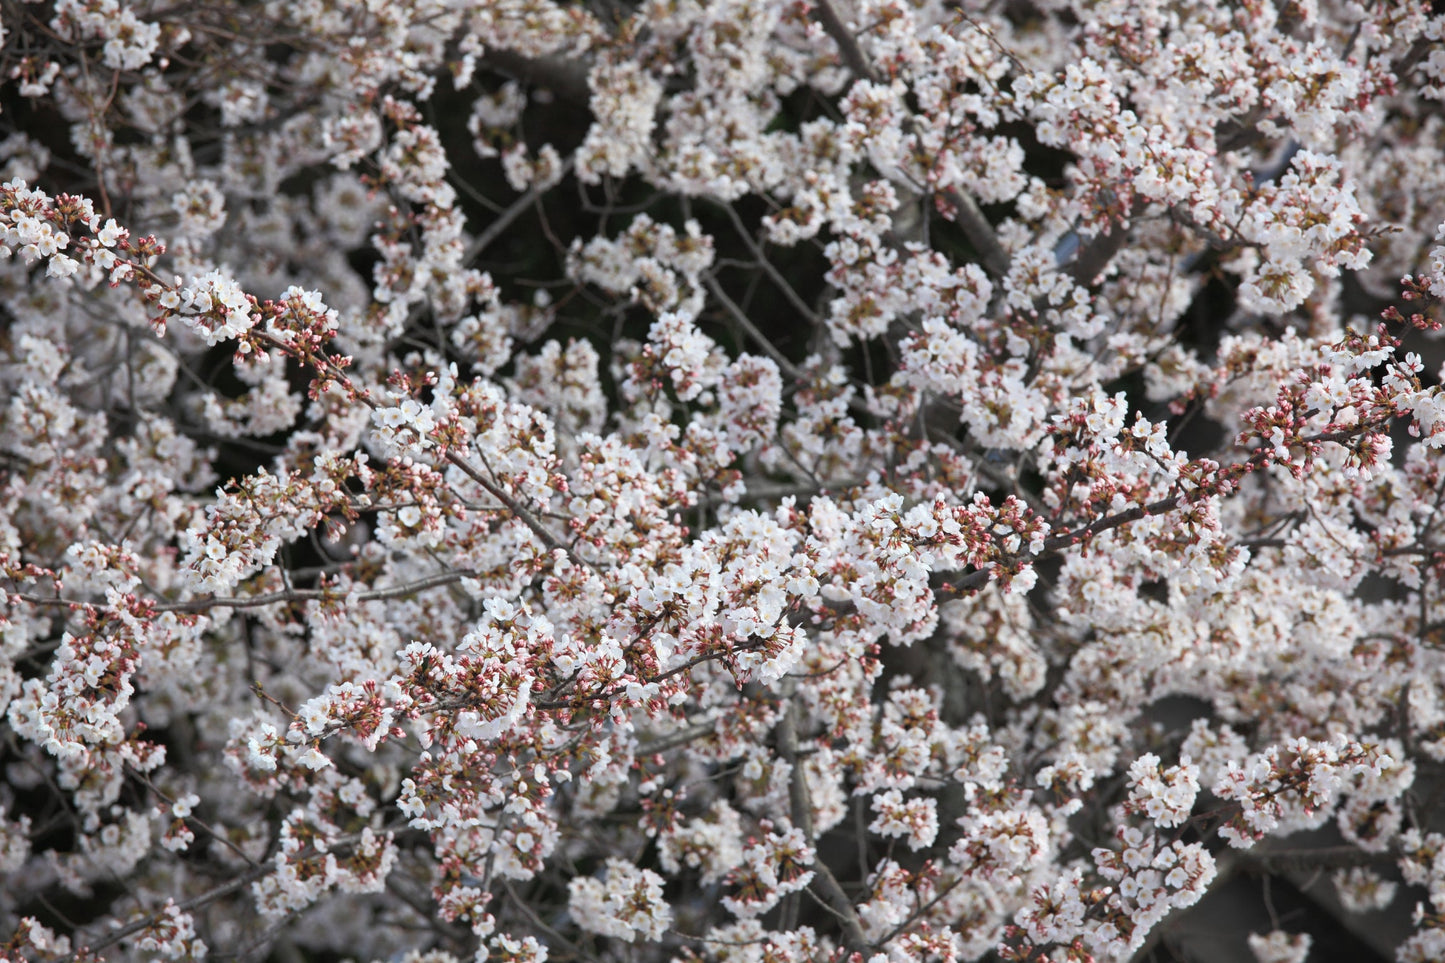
point(852, 54)
point(825, 885)
point(975, 226)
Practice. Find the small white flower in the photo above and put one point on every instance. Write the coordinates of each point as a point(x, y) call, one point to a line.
point(314, 758)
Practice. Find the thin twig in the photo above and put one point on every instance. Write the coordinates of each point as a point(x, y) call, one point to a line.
point(504, 220)
point(245, 879)
point(738, 315)
point(772, 272)
point(517, 509)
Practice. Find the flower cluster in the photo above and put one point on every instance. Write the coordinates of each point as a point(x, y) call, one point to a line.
point(626, 904)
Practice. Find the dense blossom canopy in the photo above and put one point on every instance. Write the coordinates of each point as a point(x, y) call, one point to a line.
point(715, 481)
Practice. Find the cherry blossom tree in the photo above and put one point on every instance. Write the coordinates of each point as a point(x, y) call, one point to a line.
point(718, 481)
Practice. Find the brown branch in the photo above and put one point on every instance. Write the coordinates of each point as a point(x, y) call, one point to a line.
point(1058, 543)
point(979, 231)
point(1095, 256)
point(204, 826)
point(976, 228)
point(505, 220)
point(772, 272)
point(517, 509)
point(1258, 458)
point(271, 598)
point(538, 923)
point(88, 951)
point(751, 330)
point(299, 595)
point(676, 740)
point(852, 54)
point(824, 885)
